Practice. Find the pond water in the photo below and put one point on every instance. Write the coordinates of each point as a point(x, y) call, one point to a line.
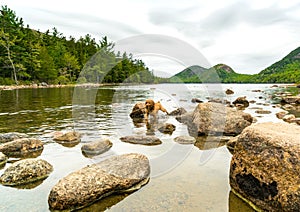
point(183, 177)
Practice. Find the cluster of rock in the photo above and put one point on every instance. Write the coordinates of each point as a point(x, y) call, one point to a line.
point(265, 166)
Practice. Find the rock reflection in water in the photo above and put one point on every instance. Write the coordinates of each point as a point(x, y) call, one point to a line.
point(237, 204)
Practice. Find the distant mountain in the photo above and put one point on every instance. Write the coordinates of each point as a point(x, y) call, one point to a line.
point(217, 73)
point(286, 70)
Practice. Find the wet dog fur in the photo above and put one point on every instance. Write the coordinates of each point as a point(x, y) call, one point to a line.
point(152, 108)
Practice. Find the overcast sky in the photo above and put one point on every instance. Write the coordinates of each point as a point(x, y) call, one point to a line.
point(248, 35)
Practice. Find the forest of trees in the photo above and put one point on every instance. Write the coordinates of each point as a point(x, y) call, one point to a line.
point(28, 56)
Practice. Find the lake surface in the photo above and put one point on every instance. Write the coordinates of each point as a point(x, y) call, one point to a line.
point(183, 177)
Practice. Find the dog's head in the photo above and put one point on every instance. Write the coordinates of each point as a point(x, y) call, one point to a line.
point(149, 105)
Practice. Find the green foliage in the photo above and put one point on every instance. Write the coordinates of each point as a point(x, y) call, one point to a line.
point(29, 55)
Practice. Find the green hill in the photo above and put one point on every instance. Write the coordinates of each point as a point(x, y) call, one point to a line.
point(218, 73)
point(286, 70)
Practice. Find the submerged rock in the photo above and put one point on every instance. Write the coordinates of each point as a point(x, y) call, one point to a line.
point(96, 147)
point(167, 128)
point(118, 174)
point(215, 118)
point(261, 111)
point(26, 171)
point(265, 167)
point(22, 147)
point(184, 139)
point(6, 137)
point(141, 139)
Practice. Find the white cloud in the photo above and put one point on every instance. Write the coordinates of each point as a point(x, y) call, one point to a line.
point(247, 35)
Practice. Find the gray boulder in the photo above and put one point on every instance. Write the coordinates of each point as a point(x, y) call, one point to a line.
point(141, 139)
point(118, 174)
point(215, 118)
point(265, 167)
point(26, 171)
point(96, 147)
point(22, 147)
point(6, 137)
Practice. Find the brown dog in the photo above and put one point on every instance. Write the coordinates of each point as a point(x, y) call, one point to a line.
point(152, 108)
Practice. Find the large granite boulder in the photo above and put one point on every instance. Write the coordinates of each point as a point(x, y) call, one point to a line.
point(265, 167)
point(124, 173)
point(23, 147)
point(26, 171)
point(138, 111)
point(141, 139)
point(215, 118)
point(96, 147)
point(6, 137)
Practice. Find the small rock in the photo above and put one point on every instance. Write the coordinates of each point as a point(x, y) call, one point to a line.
point(229, 92)
point(256, 90)
point(263, 111)
point(289, 118)
point(241, 101)
point(22, 147)
point(167, 128)
point(141, 139)
point(184, 139)
point(281, 114)
point(26, 171)
point(68, 137)
point(96, 147)
point(118, 174)
point(6, 137)
point(196, 100)
point(178, 111)
point(3, 159)
point(291, 99)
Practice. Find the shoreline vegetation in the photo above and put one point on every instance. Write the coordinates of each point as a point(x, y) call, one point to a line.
point(44, 85)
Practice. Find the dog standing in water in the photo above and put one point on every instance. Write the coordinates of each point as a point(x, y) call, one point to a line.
point(152, 108)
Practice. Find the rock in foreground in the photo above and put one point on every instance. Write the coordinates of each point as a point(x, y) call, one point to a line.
point(22, 147)
point(96, 147)
point(124, 173)
point(26, 171)
point(141, 139)
point(167, 128)
point(265, 167)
